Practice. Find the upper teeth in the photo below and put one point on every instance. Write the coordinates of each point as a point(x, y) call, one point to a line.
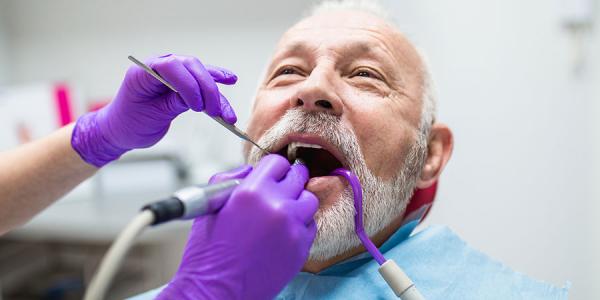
point(293, 149)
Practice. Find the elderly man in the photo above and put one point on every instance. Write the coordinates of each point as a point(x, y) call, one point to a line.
point(344, 89)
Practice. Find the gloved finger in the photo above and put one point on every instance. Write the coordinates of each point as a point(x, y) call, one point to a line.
point(306, 207)
point(311, 229)
point(157, 86)
point(221, 75)
point(173, 71)
point(294, 181)
point(237, 173)
point(272, 166)
point(217, 201)
point(227, 112)
point(308, 234)
point(174, 105)
point(207, 85)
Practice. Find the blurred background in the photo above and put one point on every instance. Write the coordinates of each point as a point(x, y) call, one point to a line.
point(517, 81)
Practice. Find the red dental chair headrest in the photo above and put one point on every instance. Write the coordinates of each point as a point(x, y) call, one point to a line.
point(421, 198)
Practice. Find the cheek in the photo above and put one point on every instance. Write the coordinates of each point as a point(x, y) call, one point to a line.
point(268, 109)
point(383, 138)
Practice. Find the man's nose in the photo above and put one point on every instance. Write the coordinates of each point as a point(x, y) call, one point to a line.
point(317, 94)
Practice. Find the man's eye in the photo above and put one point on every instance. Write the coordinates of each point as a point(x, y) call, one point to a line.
point(364, 74)
point(287, 71)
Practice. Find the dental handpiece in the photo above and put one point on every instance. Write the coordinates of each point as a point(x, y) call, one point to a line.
point(191, 202)
point(194, 201)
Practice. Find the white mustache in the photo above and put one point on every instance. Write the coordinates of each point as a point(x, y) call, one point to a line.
point(383, 200)
point(326, 126)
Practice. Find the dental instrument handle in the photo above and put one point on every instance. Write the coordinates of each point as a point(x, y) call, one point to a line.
point(191, 202)
point(399, 282)
point(232, 128)
point(194, 201)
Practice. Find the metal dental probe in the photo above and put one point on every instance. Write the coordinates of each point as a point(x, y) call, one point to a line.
point(229, 127)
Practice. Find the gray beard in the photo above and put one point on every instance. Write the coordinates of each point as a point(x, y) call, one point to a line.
point(383, 200)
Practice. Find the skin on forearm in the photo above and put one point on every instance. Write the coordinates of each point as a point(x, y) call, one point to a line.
point(36, 174)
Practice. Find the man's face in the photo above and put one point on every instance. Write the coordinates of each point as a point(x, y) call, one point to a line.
point(348, 70)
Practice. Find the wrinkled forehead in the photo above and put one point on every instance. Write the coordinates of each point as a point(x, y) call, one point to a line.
point(349, 32)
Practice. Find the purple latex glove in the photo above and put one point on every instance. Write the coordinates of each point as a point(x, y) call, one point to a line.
point(143, 109)
point(256, 243)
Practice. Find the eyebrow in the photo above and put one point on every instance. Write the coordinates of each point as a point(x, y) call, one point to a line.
point(297, 48)
point(351, 50)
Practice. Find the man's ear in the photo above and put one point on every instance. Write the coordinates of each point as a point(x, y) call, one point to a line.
point(439, 149)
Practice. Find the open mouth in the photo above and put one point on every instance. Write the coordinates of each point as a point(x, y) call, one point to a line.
point(315, 155)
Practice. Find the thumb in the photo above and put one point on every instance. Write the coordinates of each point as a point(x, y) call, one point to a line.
point(220, 199)
point(238, 173)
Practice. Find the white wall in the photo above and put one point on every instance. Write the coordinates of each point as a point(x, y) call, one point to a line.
point(4, 65)
point(520, 185)
point(593, 115)
point(87, 44)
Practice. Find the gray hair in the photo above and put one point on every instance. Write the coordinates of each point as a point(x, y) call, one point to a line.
point(374, 7)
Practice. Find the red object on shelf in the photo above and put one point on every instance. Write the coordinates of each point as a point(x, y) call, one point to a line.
point(63, 104)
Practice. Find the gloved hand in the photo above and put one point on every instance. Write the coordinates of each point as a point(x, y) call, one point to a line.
point(143, 109)
point(256, 243)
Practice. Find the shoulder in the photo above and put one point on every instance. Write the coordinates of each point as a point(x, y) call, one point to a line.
point(443, 266)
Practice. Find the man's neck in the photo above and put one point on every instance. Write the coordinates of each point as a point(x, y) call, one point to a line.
point(378, 239)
